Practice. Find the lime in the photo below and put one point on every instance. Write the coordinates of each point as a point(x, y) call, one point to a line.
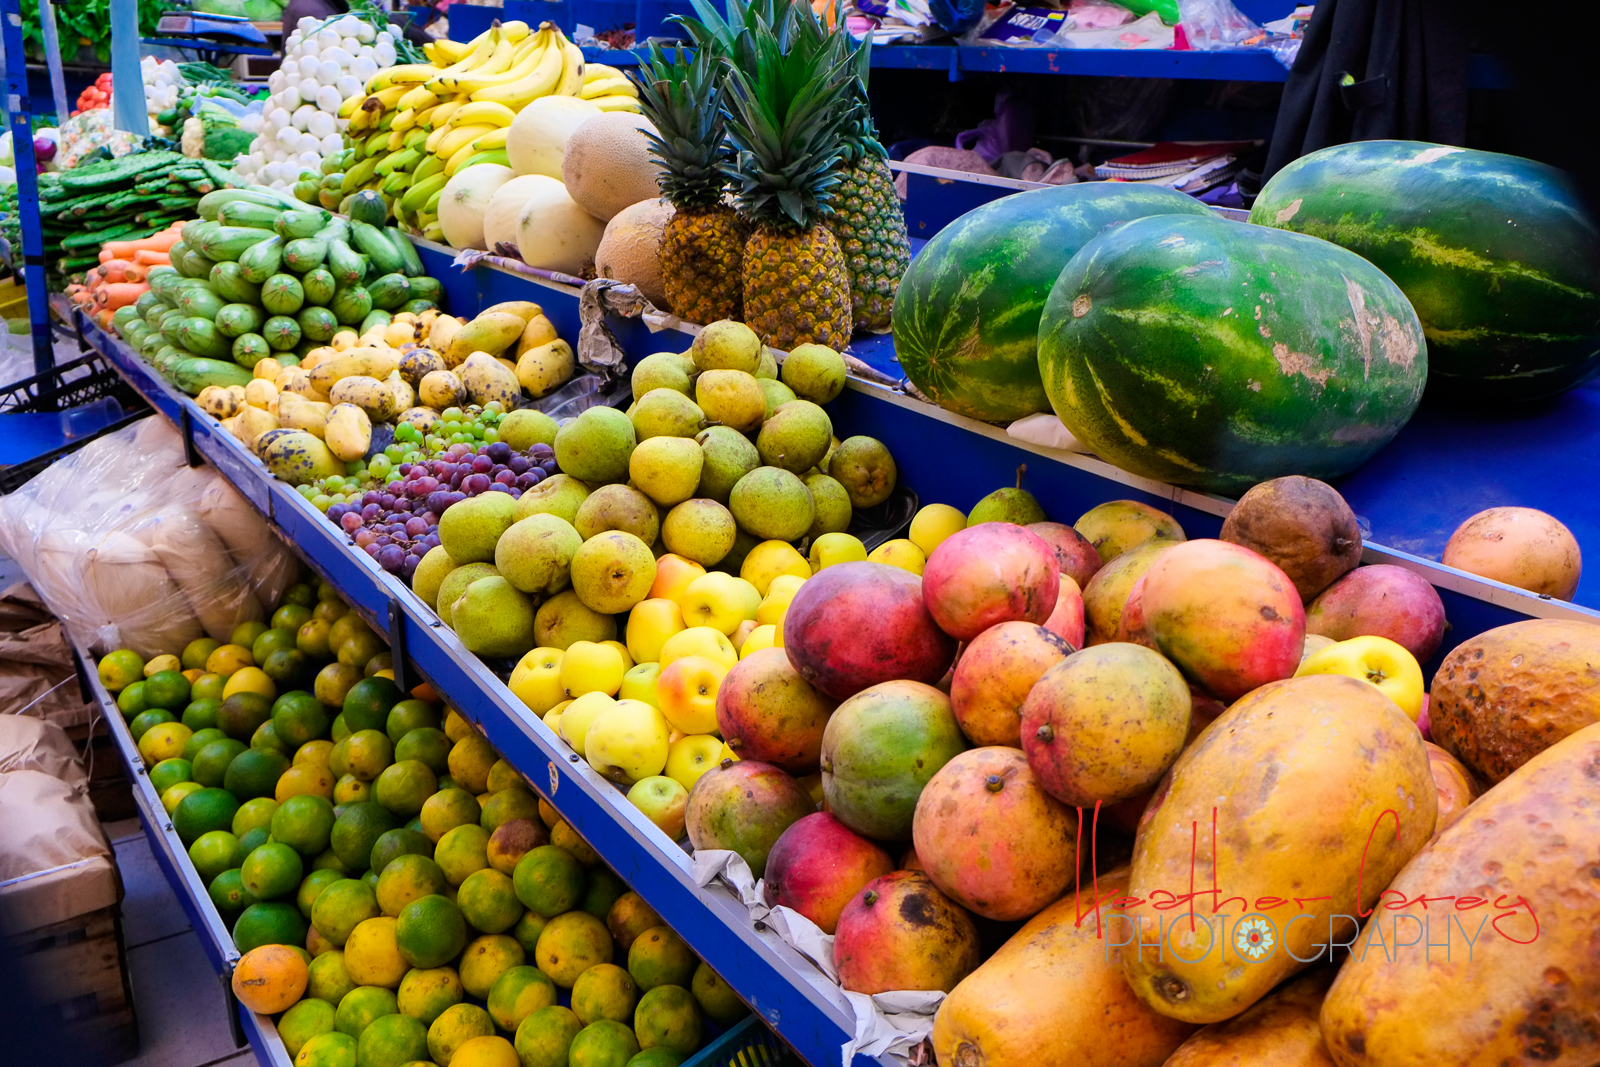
point(489, 901)
point(210, 735)
point(367, 703)
point(470, 761)
point(254, 839)
point(340, 907)
point(351, 790)
point(286, 667)
point(333, 683)
point(269, 923)
point(301, 593)
point(211, 761)
point(299, 717)
point(562, 835)
point(312, 639)
point(454, 1027)
point(514, 839)
point(208, 687)
point(196, 652)
point(392, 1041)
point(517, 994)
point(164, 740)
point(357, 829)
point(250, 680)
point(406, 878)
point(201, 812)
point(363, 1006)
point(242, 714)
point(316, 753)
point(660, 1056)
point(716, 998)
point(372, 955)
point(213, 852)
point(228, 893)
point(272, 870)
point(426, 745)
point(367, 753)
point(431, 932)
point(254, 772)
point(254, 813)
point(409, 715)
point(603, 1043)
point(603, 891)
point(201, 714)
point(403, 787)
point(291, 617)
point(120, 669)
point(328, 1050)
point(455, 726)
point(461, 851)
point(570, 944)
point(370, 877)
point(131, 700)
point(486, 959)
point(514, 802)
point(146, 720)
point(667, 1015)
point(272, 641)
point(447, 809)
point(245, 634)
point(426, 993)
point(327, 979)
point(304, 823)
point(303, 1021)
point(266, 736)
point(503, 776)
point(307, 779)
point(544, 1037)
point(527, 930)
point(660, 957)
point(311, 887)
point(549, 881)
point(167, 689)
point(229, 659)
point(329, 860)
point(392, 844)
point(604, 991)
point(169, 772)
point(359, 648)
point(175, 793)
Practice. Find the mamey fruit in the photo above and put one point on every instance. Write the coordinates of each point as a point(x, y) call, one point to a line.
point(990, 573)
point(991, 838)
point(818, 864)
point(1511, 1002)
point(1302, 525)
point(994, 675)
point(1504, 696)
point(1053, 996)
point(966, 320)
point(1324, 767)
point(1384, 601)
point(900, 932)
point(1518, 546)
point(1495, 252)
point(744, 805)
point(1294, 384)
point(766, 711)
point(858, 624)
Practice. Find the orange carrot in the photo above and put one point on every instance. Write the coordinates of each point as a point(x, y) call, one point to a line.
point(121, 294)
point(147, 257)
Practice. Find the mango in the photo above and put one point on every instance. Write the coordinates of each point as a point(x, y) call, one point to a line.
point(544, 368)
point(404, 395)
point(251, 423)
point(348, 432)
point(818, 865)
point(298, 457)
point(441, 389)
point(1318, 789)
point(298, 413)
point(424, 419)
point(526, 310)
point(1280, 1031)
point(418, 363)
point(1521, 869)
point(1118, 525)
point(767, 712)
point(486, 379)
point(991, 838)
point(900, 932)
point(745, 806)
point(1504, 696)
point(490, 331)
point(1053, 996)
point(1107, 592)
point(1455, 785)
point(367, 393)
point(994, 676)
point(441, 333)
point(987, 574)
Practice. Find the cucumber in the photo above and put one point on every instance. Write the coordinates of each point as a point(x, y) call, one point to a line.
point(375, 317)
point(319, 286)
point(202, 337)
point(194, 374)
point(390, 291)
point(303, 223)
point(198, 301)
point(254, 216)
point(351, 304)
point(228, 281)
point(317, 324)
point(250, 349)
point(411, 262)
point(347, 265)
point(371, 241)
point(281, 332)
point(261, 261)
point(282, 294)
point(231, 242)
point(305, 253)
point(236, 320)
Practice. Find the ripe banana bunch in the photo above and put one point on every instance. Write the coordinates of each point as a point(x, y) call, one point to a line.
point(608, 88)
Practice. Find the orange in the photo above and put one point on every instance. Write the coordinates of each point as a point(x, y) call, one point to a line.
point(454, 1027)
point(667, 1016)
point(406, 878)
point(518, 993)
point(120, 669)
point(489, 902)
point(327, 1050)
point(214, 852)
point(660, 957)
point(367, 753)
point(455, 727)
point(604, 991)
point(250, 680)
point(570, 945)
point(307, 779)
point(513, 802)
point(333, 682)
point(371, 954)
point(254, 813)
point(303, 822)
point(311, 887)
point(562, 835)
point(602, 1044)
point(461, 851)
point(514, 839)
point(404, 787)
point(341, 907)
point(485, 1052)
point(363, 1006)
point(304, 1021)
point(272, 870)
point(408, 715)
point(164, 741)
point(426, 993)
point(351, 790)
point(716, 997)
point(447, 809)
point(228, 659)
point(313, 753)
point(486, 959)
point(528, 929)
point(392, 1041)
point(328, 979)
point(543, 1038)
point(269, 979)
point(470, 762)
point(316, 944)
point(430, 932)
point(427, 745)
point(549, 881)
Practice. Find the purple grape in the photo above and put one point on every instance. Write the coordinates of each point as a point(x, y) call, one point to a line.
point(387, 500)
point(497, 487)
point(526, 481)
point(499, 451)
point(415, 527)
point(542, 450)
point(350, 522)
point(482, 465)
point(404, 506)
point(430, 517)
point(409, 567)
point(370, 497)
point(432, 540)
point(519, 464)
point(516, 494)
point(456, 496)
point(405, 468)
point(473, 484)
point(549, 467)
point(371, 550)
point(505, 477)
point(425, 485)
point(395, 486)
point(392, 557)
point(537, 474)
point(371, 509)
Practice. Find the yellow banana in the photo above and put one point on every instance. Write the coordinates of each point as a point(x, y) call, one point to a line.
point(616, 103)
point(498, 61)
point(456, 137)
point(386, 99)
point(462, 154)
point(407, 74)
point(538, 82)
point(608, 87)
point(483, 47)
point(446, 52)
point(593, 72)
point(571, 69)
point(516, 29)
point(397, 139)
point(418, 96)
point(351, 105)
point(404, 121)
point(439, 115)
point(481, 111)
point(524, 60)
point(432, 143)
point(490, 141)
point(360, 121)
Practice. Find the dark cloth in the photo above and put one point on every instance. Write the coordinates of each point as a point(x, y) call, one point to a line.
point(1407, 64)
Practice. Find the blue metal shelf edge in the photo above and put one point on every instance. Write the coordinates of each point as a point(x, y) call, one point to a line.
point(772, 979)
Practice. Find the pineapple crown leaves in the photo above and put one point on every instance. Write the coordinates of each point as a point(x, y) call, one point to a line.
point(683, 98)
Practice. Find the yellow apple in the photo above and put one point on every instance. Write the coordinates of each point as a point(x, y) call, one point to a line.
point(720, 601)
point(536, 680)
point(627, 741)
point(692, 755)
point(741, 635)
point(640, 683)
point(699, 641)
point(779, 594)
point(663, 801)
point(1314, 643)
point(552, 718)
point(650, 623)
point(622, 650)
point(686, 693)
point(673, 575)
point(900, 553)
point(834, 548)
point(726, 753)
point(761, 637)
point(768, 560)
point(1378, 660)
point(591, 667)
point(579, 715)
point(933, 524)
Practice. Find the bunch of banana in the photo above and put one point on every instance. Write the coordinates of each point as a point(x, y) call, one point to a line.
point(608, 88)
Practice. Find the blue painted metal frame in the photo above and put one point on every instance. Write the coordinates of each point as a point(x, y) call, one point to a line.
point(19, 117)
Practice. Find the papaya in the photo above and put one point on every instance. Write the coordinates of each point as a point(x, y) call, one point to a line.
point(1293, 810)
point(1504, 696)
point(1053, 996)
point(1519, 880)
point(1280, 1031)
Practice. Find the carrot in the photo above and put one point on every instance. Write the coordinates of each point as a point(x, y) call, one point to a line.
point(160, 242)
point(147, 257)
point(114, 270)
point(114, 295)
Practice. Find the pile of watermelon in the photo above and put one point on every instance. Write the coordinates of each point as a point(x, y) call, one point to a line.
point(1203, 352)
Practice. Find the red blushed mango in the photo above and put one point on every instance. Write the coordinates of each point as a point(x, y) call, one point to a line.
point(854, 625)
point(1075, 556)
point(987, 574)
point(991, 838)
point(767, 712)
point(1106, 595)
point(818, 865)
point(745, 806)
point(900, 932)
point(1131, 626)
point(1118, 525)
point(1230, 619)
point(994, 675)
point(1066, 621)
point(1381, 601)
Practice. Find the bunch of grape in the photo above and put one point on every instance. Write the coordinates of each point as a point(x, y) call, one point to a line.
point(397, 524)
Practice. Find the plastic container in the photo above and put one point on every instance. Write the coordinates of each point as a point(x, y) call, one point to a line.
point(89, 419)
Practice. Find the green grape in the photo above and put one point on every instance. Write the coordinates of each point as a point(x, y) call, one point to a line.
point(451, 414)
point(307, 491)
point(405, 432)
point(493, 406)
point(353, 467)
point(334, 484)
point(491, 435)
point(322, 502)
point(458, 438)
point(414, 456)
point(378, 466)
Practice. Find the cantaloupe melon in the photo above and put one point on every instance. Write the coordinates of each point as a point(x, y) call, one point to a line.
point(537, 137)
point(553, 232)
point(505, 211)
point(607, 166)
point(630, 251)
point(465, 200)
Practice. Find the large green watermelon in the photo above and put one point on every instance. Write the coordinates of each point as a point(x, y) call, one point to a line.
point(966, 318)
point(1497, 254)
point(1218, 354)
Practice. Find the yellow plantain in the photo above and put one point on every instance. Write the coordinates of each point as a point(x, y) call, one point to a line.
point(608, 87)
point(480, 111)
point(456, 137)
point(538, 82)
point(617, 103)
point(571, 69)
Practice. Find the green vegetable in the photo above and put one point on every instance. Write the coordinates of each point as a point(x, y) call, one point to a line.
point(250, 349)
point(319, 286)
point(390, 291)
point(412, 262)
point(347, 265)
point(202, 337)
point(236, 320)
point(317, 323)
point(228, 281)
point(282, 294)
point(281, 332)
point(261, 261)
point(351, 304)
point(305, 253)
point(371, 241)
point(193, 375)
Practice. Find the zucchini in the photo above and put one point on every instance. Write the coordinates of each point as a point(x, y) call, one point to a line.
point(376, 247)
point(194, 374)
point(228, 281)
point(317, 324)
point(347, 266)
point(375, 317)
point(250, 349)
point(198, 301)
point(319, 286)
point(171, 327)
point(236, 320)
point(151, 343)
point(211, 203)
point(252, 216)
point(368, 207)
point(202, 337)
point(281, 332)
point(230, 242)
point(303, 223)
point(305, 254)
point(426, 287)
point(197, 265)
point(411, 262)
point(261, 261)
point(282, 294)
point(134, 331)
point(177, 255)
point(145, 302)
point(351, 305)
point(390, 291)
point(417, 307)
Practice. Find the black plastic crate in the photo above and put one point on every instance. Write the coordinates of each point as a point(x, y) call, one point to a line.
point(52, 391)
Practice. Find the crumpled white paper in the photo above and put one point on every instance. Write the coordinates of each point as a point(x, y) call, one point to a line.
point(890, 1023)
point(1047, 431)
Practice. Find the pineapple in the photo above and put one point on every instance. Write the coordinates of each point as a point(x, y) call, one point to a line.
point(790, 96)
point(867, 220)
point(702, 248)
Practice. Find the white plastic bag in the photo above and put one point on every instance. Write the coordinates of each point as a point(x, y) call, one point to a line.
point(1210, 25)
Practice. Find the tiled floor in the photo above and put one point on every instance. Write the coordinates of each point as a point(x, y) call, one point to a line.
point(183, 1020)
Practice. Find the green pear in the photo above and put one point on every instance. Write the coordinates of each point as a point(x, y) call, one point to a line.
point(730, 398)
point(726, 345)
point(701, 530)
point(535, 553)
point(560, 494)
point(663, 370)
point(815, 372)
point(595, 446)
point(455, 583)
point(728, 456)
point(612, 572)
point(775, 393)
point(796, 437)
point(666, 469)
point(832, 504)
point(865, 468)
point(431, 571)
point(768, 367)
point(666, 413)
point(773, 504)
point(563, 620)
point(525, 427)
point(618, 507)
point(468, 530)
point(1010, 504)
point(493, 618)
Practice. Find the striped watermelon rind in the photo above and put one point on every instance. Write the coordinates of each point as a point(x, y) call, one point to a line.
point(966, 317)
point(1496, 253)
point(1219, 354)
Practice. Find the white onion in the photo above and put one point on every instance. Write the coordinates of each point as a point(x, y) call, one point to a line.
point(276, 81)
point(363, 67)
point(290, 68)
point(350, 85)
point(332, 144)
point(279, 117)
point(383, 54)
point(320, 125)
point(338, 55)
point(365, 33)
point(290, 97)
point(329, 99)
point(308, 88)
point(287, 136)
point(394, 31)
point(350, 44)
point(329, 72)
point(327, 39)
point(306, 24)
point(349, 26)
point(311, 159)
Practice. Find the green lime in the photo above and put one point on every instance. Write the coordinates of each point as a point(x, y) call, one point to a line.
point(167, 689)
point(341, 906)
point(549, 881)
point(410, 715)
point(211, 762)
point(363, 1006)
point(426, 993)
point(304, 1021)
point(448, 809)
point(269, 923)
point(391, 844)
point(145, 720)
point(169, 772)
point(668, 1016)
point(209, 687)
point(357, 829)
point(328, 859)
point(254, 772)
point(201, 738)
point(328, 1050)
point(254, 839)
point(245, 634)
point(370, 877)
point(328, 980)
point(427, 745)
point(131, 700)
point(454, 1027)
point(298, 717)
point(304, 823)
point(312, 639)
point(544, 1037)
point(311, 887)
point(430, 931)
point(528, 929)
point(406, 878)
point(228, 893)
point(392, 1041)
point(462, 850)
point(303, 594)
point(366, 754)
point(201, 714)
point(291, 617)
point(254, 813)
point(201, 812)
point(660, 1056)
point(196, 652)
point(286, 667)
point(603, 1043)
point(242, 714)
point(120, 669)
point(213, 852)
point(603, 890)
point(272, 870)
point(367, 703)
point(520, 992)
point(270, 642)
point(660, 957)
point(266, 736)
point(716, 998)
point(403, 787)
point(489, 902)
